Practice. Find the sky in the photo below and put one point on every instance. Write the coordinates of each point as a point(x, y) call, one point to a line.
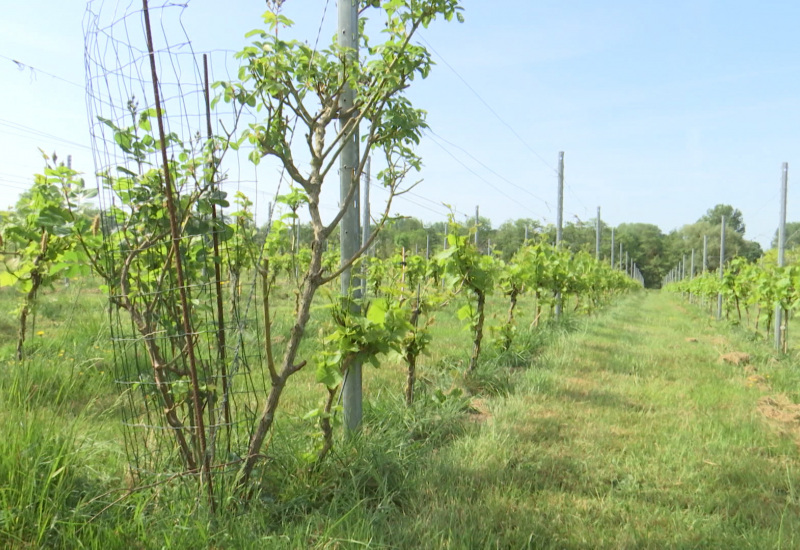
point(663, 109)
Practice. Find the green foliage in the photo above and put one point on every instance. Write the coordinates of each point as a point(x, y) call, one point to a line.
point(653, 251)
point(39, 234)
point(539, 267)
point(242, 236)
point(359, 338)
point(510, 236)
point(287, 77)
point(288, 83)
point(792, 236)
point(466, 267)
point(733, 217)
point(464, 264)
point(744, 284)
point(139, 237)
point(40, 237)
point(385, 324)
point(160, 238)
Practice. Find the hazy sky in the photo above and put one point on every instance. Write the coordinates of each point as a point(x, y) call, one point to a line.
point(663, 109)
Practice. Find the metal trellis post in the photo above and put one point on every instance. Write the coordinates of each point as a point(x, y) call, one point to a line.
point(779, 321)
point(349, 230)
point(560, 218)
point(721, 265)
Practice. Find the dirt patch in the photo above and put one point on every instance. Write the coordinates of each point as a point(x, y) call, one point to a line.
point(478, 411)
point(579, 387)
point(782, 414)
point(692, 340)
point(750, 369)
point(580, 383)
point(719, 341)
point(618, 431)
point(737, 358)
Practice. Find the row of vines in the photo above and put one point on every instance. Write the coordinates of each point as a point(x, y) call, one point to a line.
point(55, 233)
point(751, 292)
point(210, 314)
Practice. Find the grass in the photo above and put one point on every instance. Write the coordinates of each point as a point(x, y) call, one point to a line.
point(612, 431)
point(623, 435)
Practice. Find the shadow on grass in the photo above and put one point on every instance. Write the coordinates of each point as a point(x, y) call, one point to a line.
point(603, 399)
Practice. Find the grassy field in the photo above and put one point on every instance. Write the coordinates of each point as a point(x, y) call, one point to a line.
point(625, 429)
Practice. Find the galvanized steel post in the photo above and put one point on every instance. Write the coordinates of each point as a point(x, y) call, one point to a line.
point(348, 228)
point(779, 321)
point(721, 265)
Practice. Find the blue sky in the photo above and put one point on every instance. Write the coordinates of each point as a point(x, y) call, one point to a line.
point(663, 109)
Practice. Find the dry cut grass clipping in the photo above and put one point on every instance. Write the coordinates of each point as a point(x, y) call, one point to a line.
point(738, 358)
point(782, 414)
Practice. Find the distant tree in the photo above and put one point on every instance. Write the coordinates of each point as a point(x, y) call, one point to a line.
point(647, 246)
point(576, 236)
point(409, 233)
point(792, 236)
point(510, 236)
point(690, 237)
point(750, 250)
point(733, 217)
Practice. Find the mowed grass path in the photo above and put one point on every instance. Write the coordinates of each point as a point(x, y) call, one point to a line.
point(626, 434)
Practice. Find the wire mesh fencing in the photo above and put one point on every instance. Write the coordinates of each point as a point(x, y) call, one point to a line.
point(178, 260)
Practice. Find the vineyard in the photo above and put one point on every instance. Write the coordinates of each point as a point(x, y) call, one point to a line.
point(750, 293)
point(182, 368)
point(53, 242)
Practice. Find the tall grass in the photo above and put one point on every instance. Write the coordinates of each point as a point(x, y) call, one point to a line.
point(64, 470)
point(610, 431)
point(48, 459)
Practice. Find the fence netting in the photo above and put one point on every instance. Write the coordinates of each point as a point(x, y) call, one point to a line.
point(177, 244)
